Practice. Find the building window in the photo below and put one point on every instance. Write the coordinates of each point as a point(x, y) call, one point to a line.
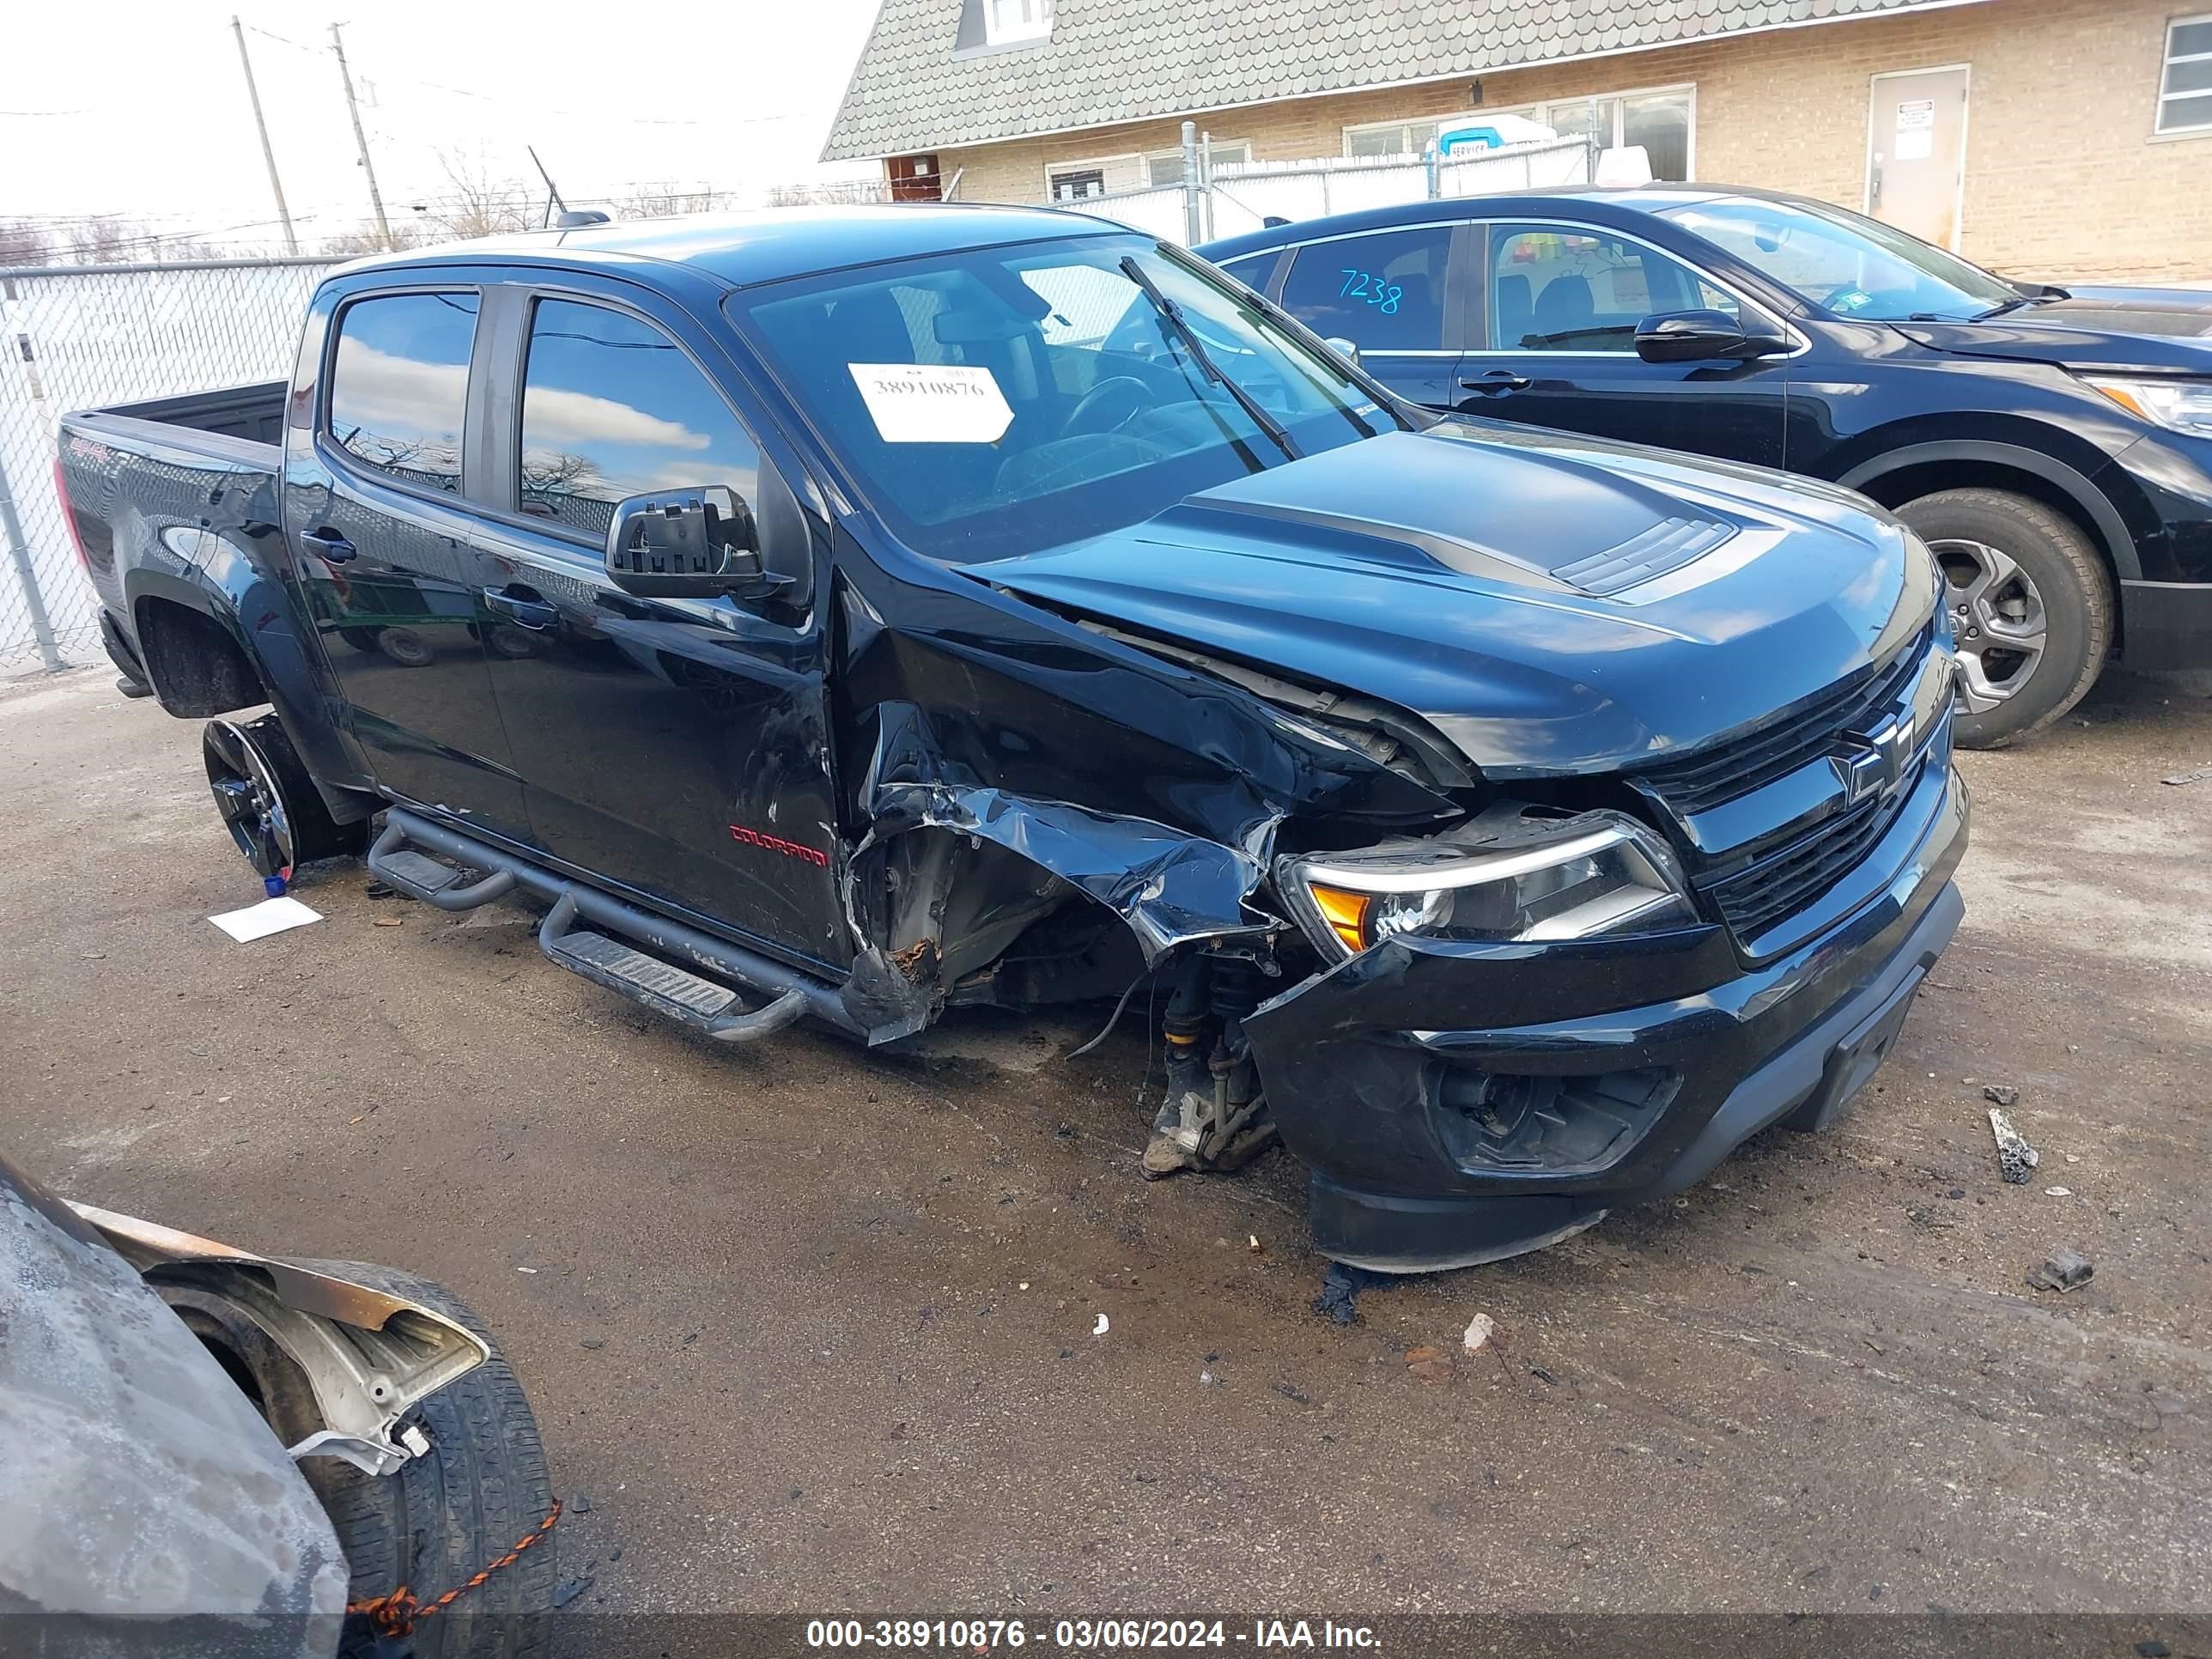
point(1165, 166)
point(1392, 138)
point(1660, 118)
point(1113, 175)
point(2184, 95)
point(1008, 21)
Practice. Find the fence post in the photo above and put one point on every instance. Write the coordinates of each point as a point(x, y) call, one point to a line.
point(1435, 158)
point(1206, 177)
point(1193, 207)
point(19, 555)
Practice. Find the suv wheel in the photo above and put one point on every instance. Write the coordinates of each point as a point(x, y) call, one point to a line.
point(2031, 608)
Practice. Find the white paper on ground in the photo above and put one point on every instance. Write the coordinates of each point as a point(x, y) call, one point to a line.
point(270, 916)
point(932, 404)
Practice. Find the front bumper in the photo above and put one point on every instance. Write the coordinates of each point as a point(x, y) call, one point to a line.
point(2163, 486)
point(1648, 1060)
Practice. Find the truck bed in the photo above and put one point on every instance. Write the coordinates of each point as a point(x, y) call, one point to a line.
point(255, 413)
point(202, 462)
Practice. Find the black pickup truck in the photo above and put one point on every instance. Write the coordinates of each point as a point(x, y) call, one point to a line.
point(854, 615)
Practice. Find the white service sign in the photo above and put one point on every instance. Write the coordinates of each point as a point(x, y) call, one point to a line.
point(932, 404)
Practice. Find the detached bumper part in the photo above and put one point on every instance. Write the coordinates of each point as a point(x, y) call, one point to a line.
point(1466, 1103)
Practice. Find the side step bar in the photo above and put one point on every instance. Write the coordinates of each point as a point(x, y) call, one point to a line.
point(652, 980)
point(391, 862)
point(684, 996)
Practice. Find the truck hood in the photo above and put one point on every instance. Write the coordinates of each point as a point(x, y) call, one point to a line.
point(2157, 329)
point(1552, 603)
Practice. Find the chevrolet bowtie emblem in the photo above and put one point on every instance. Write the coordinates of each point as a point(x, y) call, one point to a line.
point(1874, 761)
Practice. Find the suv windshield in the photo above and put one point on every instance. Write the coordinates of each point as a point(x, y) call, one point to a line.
point(999, 400)
point(1855, 266)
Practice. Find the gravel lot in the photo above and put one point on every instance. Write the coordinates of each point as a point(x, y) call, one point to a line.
point(811, 1329)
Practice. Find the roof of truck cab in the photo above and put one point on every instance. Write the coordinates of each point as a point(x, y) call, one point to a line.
point(742, 249)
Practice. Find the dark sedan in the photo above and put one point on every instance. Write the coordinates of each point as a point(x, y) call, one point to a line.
point(2054, 448)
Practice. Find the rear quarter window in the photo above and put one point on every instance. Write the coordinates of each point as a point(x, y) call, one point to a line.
point(399, 385)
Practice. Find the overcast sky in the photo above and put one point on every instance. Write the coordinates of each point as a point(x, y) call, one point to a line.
point(139, 109)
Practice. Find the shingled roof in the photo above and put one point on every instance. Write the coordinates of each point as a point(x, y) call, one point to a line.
point(1126, 60)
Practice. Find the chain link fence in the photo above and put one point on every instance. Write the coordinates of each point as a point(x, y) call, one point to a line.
point(80, 337)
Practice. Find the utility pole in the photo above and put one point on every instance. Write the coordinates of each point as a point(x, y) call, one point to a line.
point(361, 138)
point(268, 156)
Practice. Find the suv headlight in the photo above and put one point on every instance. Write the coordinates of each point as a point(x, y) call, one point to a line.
point(1504, 876)
point(2178, 405)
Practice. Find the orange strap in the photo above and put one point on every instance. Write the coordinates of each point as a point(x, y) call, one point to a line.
point(396, 1614)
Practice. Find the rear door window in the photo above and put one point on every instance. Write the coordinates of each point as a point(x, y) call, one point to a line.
point(399, 385)
point(1384, 292)
point(611, 408)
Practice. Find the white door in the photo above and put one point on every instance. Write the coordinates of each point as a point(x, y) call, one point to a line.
point(1916, 151)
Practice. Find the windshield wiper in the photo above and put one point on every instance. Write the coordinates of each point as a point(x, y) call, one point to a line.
point(2043, 296)
point(1171, 315)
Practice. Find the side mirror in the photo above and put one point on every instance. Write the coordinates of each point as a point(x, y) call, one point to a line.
point(1699, 337)
point(699, 543)
point(1347, 349)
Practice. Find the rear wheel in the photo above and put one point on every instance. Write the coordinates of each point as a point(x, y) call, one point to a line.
point(443, 1516)
point(2031, 608)
point(268, 802)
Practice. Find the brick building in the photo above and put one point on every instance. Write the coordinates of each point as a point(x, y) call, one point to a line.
point(2044, 137)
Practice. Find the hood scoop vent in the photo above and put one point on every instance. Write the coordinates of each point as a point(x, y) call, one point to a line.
point(1666, 547)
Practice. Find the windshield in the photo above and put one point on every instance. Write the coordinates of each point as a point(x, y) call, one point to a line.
point(1855, 266)
point(999, 400)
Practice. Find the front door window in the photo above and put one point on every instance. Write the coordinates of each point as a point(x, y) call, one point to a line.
point(1553, 288)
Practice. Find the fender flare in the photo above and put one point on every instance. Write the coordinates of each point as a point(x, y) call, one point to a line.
point(141, 583)
point(2111, 530)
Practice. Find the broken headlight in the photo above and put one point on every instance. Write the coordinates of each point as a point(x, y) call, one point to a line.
point(1507, 875)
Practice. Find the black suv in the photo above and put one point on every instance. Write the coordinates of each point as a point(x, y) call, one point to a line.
point(2054, 448)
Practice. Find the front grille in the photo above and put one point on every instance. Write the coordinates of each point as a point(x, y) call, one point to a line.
point(1723, 774)
point(1785, 881)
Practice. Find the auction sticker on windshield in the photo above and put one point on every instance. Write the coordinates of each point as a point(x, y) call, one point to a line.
point(932, 404)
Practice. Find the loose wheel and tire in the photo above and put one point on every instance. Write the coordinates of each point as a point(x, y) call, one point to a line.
point(2031, 608)
point(268, 802)
point(441, 1518)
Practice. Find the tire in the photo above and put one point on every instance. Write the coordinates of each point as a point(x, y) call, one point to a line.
point(406, 647)
point(506, 639)
point(361, 639)
point(2030, 603)
point(482, 1486)
point(268, 802)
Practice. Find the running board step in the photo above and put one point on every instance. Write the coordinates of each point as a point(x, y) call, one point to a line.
point(678, 992)
point(419, 876)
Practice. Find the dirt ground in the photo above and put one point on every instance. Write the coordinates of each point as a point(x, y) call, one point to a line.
point(811, 1330)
